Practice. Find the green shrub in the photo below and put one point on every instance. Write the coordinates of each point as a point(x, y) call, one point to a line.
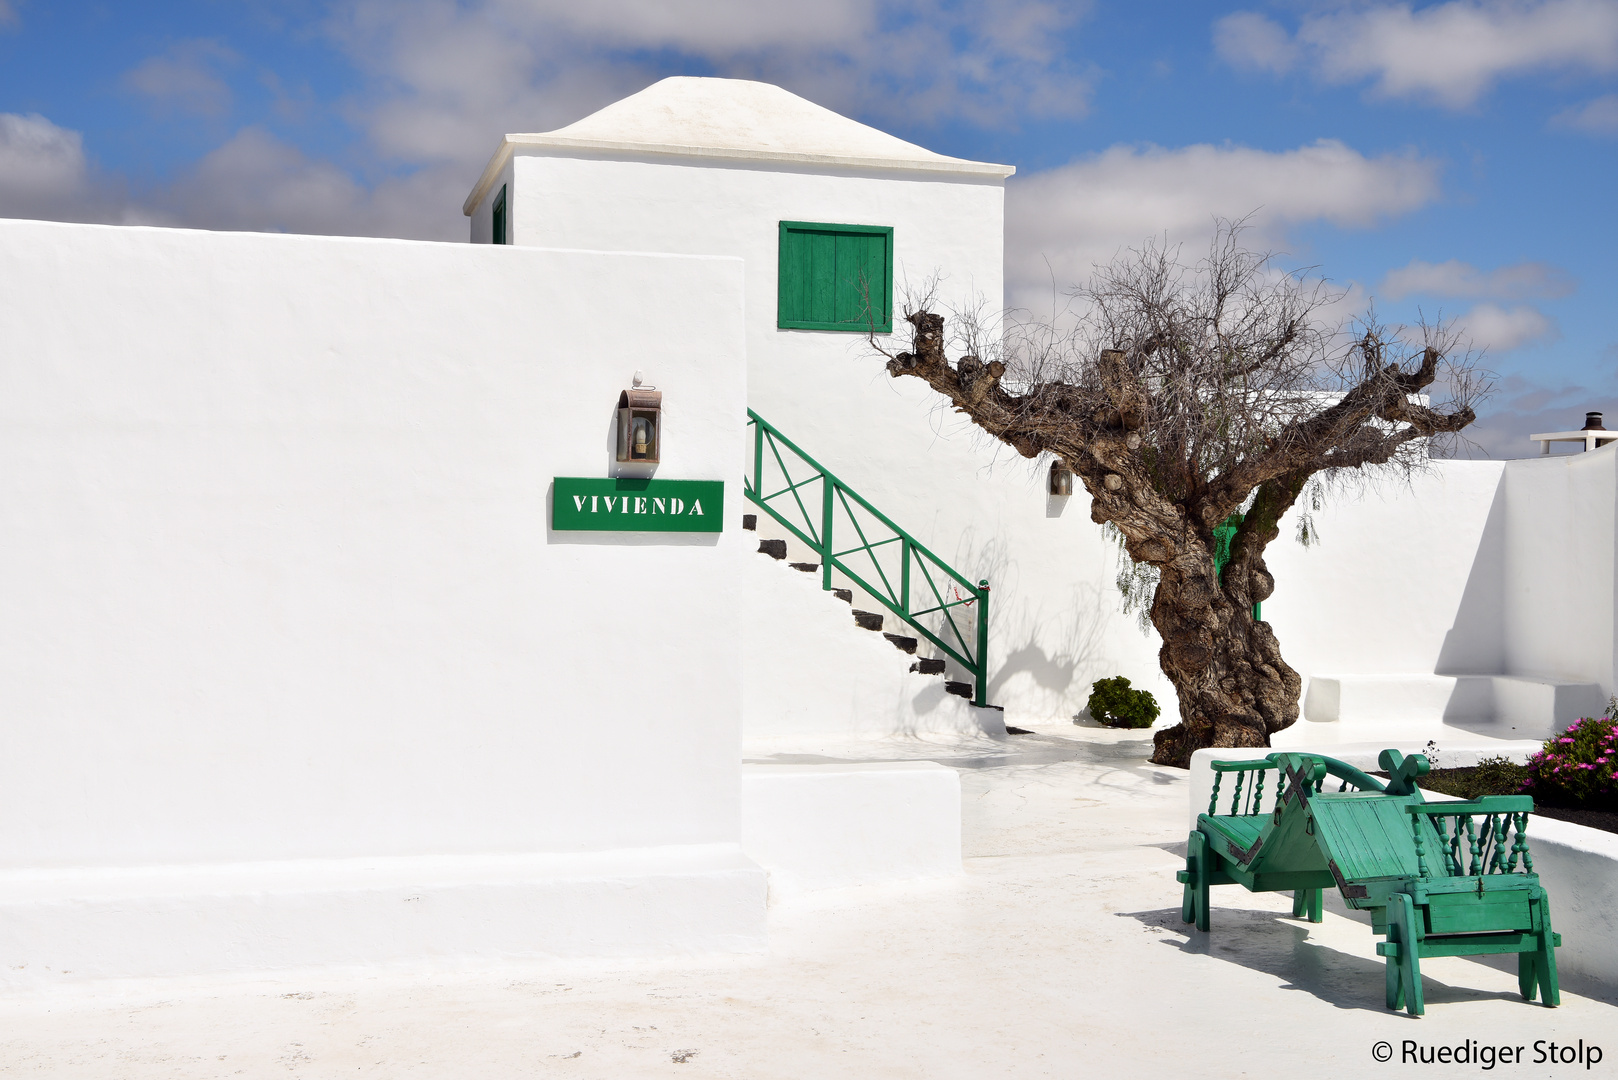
point(1575, 769)
point(1114, 704)
point(1491, 776)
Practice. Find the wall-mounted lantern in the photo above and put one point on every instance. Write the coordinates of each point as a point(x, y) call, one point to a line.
point(640, 423)
point(1061, 479)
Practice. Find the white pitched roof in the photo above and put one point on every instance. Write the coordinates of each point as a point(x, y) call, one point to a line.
point(732, 119)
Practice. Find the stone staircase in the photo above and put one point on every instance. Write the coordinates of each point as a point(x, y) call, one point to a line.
point(868, 620)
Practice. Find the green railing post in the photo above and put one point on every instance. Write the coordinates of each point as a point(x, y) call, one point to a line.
point(904, 575)
point(758, 457)
point(982, 697)
point(826, 508)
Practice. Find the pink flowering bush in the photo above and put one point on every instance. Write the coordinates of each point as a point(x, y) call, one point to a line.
point(1575, 769)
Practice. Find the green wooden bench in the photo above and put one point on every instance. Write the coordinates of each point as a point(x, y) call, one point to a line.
point(1439, 879)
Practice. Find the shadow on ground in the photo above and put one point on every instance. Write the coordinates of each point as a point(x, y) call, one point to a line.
point(1280, 946)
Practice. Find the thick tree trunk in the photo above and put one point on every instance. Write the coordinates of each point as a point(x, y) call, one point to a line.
point(1233, 686)
point(1234, 689)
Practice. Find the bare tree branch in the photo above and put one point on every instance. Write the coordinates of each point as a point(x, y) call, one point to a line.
point(1182, 394)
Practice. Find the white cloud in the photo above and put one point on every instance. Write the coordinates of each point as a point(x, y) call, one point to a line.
point(1521, 281)
point(255, 181)
point(454, 77)
point(1063, 221)
point(443, 80)
point(1499, 329)
point(1248, 40)
point(1598, 117)
point(1523, 406)
point(1450, 53)
point(43, 171)
point(185, 77)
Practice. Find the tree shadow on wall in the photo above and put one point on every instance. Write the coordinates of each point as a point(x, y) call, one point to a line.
point(1049, 641)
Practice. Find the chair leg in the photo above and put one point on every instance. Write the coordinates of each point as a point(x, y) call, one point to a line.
point(1307, 902)
point(1404, 956)
point(1527, 974)
point(1194, 900)
point(1550, 990)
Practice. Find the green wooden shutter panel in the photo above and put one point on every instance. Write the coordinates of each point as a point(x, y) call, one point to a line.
point(827, 273)
point(499, 229)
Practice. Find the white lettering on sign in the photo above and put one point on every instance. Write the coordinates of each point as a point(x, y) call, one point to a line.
point(696, 508)
point(578, 503)
point(608, 499)
point(640, 504)
point(659, 506)
point(676, 506)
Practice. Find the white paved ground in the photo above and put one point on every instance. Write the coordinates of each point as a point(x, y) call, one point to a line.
point(1059, 954)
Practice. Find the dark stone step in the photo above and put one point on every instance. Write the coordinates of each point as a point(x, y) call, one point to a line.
point(845, 595)
point(902, 643)
point(959, 689)
point(750, 522)
point(775, 549)
point(928, 666)
point(1017, 730)
point(867, 620)
point(806, 567)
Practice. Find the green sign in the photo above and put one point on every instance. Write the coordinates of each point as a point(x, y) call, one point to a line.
point(637, 504)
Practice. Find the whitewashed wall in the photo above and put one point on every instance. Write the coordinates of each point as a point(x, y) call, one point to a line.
point(1055, 624)
point(1404, 580)
point(1558, 594)
point(1473, 568)
point(278, 582)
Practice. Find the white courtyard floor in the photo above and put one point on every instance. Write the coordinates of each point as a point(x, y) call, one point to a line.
point(1060, 953)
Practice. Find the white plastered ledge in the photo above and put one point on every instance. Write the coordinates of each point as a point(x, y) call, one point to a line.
point(730, 119)
point(146, 921)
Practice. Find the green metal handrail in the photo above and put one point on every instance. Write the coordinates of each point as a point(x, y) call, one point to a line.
point(891, 586)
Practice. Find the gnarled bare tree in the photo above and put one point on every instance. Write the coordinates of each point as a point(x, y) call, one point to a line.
point(1184, 395)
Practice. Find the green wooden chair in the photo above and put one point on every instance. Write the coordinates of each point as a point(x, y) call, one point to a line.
point(1439, 879)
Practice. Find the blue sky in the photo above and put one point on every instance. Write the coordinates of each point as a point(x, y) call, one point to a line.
point(1453, 159)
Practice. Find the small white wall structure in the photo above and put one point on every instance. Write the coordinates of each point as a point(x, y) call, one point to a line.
point(830, 826)
point(713, 166)
point(292, 668)
point(1479, 595)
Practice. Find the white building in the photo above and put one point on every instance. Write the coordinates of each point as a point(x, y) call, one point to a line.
point(296, 667)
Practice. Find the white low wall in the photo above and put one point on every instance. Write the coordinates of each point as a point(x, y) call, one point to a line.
point(437, 911)
point(279, 584)
point(826, 826)
point(1503, 706)
point(1579, 868)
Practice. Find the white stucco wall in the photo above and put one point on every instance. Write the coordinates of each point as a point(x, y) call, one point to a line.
point(1055, 625)
point(1405, 579)
point(278, 580)
point(1475, 568)
point(1558, 595)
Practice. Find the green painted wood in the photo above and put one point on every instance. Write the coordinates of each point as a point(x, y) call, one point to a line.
point(500, 232)
point(1368, 837)
point(834, 277)
point(1393, 855)
point(636, 504)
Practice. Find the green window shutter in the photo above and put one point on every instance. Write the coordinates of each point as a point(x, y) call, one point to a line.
point(499, 229)
point(835, 277)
